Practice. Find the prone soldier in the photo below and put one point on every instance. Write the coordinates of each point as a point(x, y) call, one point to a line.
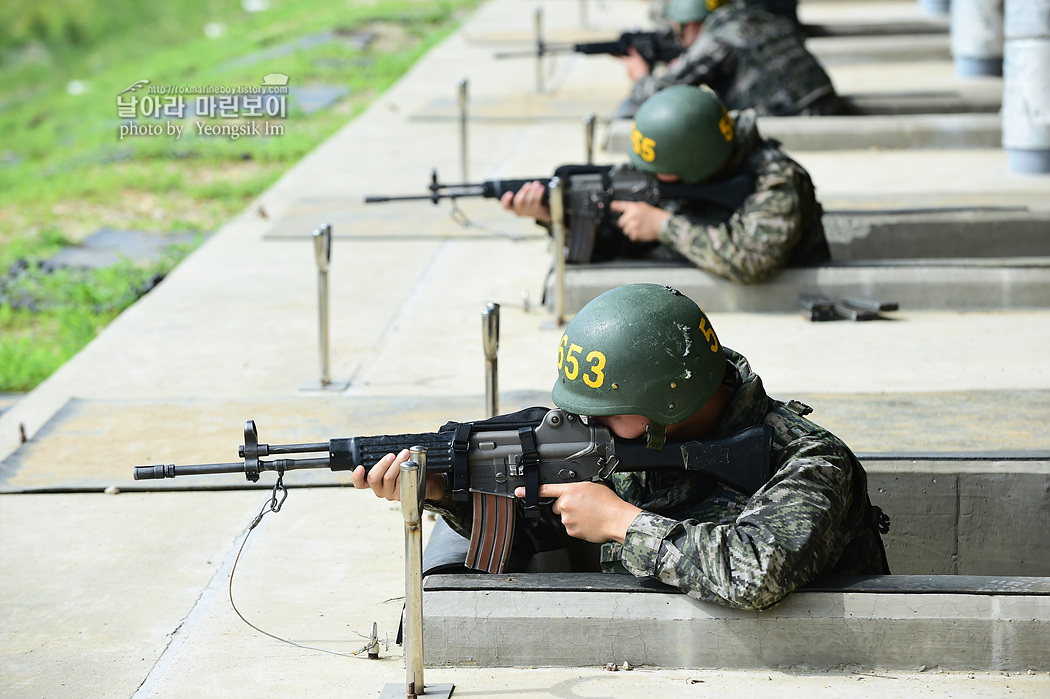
point(751, 57)
point(644, 361)
point(685, 134)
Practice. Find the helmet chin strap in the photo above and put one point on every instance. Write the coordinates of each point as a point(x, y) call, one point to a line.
point(655, 434)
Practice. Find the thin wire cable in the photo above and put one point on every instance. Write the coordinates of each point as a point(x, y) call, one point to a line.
point(274, 505)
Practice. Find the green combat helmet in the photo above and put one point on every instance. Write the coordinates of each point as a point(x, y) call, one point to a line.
point(684, 131)
point(685, 11)
point(640, 349)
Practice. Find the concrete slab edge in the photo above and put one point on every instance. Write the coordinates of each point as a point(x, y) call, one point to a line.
point(808, 630)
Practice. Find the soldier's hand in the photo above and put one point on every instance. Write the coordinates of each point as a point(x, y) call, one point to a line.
point(528, 201)
point(638, 220)
point(590, 511)
point(384, 478)
point(636, 66)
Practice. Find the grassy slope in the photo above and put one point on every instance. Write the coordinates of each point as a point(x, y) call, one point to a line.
point(64, 171)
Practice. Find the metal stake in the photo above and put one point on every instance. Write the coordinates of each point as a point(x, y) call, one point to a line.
point(323, 255)
point(588, 136)
point(413, 490)
point(539, 54)
point(490, 343)
point(463, 130)
point(411, 508)
point(556, 199)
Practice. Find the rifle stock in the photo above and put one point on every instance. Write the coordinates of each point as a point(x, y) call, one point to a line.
point(486, 461)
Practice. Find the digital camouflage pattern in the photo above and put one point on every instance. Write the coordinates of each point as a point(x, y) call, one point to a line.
point(778, 225)
point(753, 59)
point(812, 519)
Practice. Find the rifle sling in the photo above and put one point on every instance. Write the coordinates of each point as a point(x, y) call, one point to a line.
point(460, 462)
point(530, 467)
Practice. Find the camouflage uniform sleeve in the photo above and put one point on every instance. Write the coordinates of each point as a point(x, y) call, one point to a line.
point(786, 536)
point(755, 242)
point(699, 64)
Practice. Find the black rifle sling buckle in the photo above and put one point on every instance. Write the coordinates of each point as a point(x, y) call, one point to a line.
point(461, 463)
point(530, 469)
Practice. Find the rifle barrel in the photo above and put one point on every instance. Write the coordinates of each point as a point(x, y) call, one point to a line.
point(159, 471)
point(376, 199)
point(542, 50)
point(445, 191)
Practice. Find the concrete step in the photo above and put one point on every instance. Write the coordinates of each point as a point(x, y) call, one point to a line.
point(870, 29)
point(938, 258)
point(948, 284)
point(879, 128)
point(937, 233)
point(838, 50)
point(956, 514)
point(939, 131)
point(932, 102)
point(892, 622)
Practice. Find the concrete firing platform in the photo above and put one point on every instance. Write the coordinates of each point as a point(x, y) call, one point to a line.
point(949, 284)
point(896, 622)
point(917, 234)
point(938, 131)
point(153, 610)
point(544, 106)
point(879, 129)
point(949, 258)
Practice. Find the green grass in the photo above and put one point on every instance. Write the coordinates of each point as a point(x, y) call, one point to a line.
point(64, 171)
point(66, 308)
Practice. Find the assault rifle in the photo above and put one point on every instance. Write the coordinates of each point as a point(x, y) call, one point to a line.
point(486, 460)
point(593, 235)
point(654, 47)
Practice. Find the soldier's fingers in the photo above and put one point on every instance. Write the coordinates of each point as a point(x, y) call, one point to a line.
point(547, 490)
point(378, 472)
point(392, 476)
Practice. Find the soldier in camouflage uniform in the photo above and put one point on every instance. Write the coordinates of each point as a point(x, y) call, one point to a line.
point(654, 367)
point(685, 134)
point(752, 58)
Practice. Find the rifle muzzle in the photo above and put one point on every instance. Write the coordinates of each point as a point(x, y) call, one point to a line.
point(154, 472)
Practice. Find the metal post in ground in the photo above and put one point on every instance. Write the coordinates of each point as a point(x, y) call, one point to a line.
point(490, 343)
point(557, 204)
point(462, 94)
point(323, 254)
point(322, 238)
point(588, 136)
point(413, 489)
point(540, 51)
